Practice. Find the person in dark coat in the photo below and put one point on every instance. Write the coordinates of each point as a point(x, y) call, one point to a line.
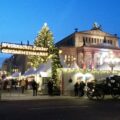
point(23, 86)
point(81, 88)
point(76, 87)
point(50, 87)
point(34, 87)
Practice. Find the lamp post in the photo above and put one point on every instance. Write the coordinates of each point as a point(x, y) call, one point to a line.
point(112, 62)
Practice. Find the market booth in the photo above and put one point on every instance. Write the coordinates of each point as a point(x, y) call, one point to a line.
point(42, 75)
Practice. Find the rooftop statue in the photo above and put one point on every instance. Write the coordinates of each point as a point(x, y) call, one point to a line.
point(96, 26)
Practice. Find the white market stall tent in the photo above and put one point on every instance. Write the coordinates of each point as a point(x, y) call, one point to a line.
point(29, 72)
point(44, 70)
point(104, 66)
point(16, 75)
point(74, 65)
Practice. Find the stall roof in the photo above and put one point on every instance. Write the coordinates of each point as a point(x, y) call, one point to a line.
point(16, 74)
point(29, 72)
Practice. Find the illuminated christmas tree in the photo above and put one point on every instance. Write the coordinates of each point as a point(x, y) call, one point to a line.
point(43, 39)
point(55, 63)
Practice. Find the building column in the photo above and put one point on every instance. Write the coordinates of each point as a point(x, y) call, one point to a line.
point(92, 62)
point(84, 62)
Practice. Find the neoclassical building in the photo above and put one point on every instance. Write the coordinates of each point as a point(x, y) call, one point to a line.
point(15, 63)
point(91, 49)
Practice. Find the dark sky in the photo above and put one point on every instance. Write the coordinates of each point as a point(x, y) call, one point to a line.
point(20, 20)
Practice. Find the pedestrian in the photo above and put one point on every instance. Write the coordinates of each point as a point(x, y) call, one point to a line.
point(9, 85)
point(23, 86)
point(50, 87)
point(81, 88)
point(34, 87)
point(26, 82)
point(76, 87)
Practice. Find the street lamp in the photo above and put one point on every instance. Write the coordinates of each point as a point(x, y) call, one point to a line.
point(112, 62)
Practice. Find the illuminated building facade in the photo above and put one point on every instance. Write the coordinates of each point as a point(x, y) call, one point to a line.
point(91, 48)
point(15, 63)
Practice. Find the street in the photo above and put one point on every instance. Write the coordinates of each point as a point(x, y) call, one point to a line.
point(60, 109)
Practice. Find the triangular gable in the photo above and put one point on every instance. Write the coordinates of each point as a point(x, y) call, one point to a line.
point(98, 32)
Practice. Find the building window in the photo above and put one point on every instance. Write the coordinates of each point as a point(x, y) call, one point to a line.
point(68, 59)
point(110, 42)
point(84, 40)
point(98, 41)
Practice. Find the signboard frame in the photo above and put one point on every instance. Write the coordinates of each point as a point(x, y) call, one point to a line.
point(23, 49)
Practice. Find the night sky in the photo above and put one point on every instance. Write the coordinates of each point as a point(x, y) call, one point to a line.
point(20, 20)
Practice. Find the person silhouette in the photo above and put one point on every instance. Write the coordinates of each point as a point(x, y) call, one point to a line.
point(34, 87)
point(76, 87)
point(50, 87)
point(81, 88)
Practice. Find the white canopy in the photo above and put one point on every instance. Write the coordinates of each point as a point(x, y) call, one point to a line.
point(16, 74)
point(45, 74)
point(104, 66)
point(74, 65)
point(43, 67)
point(29, 72)
point(117, 67)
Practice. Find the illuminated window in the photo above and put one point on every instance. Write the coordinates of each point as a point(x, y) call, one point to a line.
point(68, 59)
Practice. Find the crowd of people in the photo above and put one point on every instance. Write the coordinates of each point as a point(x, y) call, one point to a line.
point(79, 88)
point(108, 86)
point(24, 85)
point(19, 86)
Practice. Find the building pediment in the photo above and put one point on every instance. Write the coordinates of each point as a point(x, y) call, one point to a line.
point(98, 32)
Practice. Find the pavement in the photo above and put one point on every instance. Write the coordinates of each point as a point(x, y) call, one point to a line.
point(16, 96)
point(11, 96)
point(28, 97)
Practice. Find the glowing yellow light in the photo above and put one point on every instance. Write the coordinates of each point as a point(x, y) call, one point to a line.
point(74, 59)
point(60, 51)
point(23, 49)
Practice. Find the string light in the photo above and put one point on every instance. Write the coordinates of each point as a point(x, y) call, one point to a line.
point(23, 49)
